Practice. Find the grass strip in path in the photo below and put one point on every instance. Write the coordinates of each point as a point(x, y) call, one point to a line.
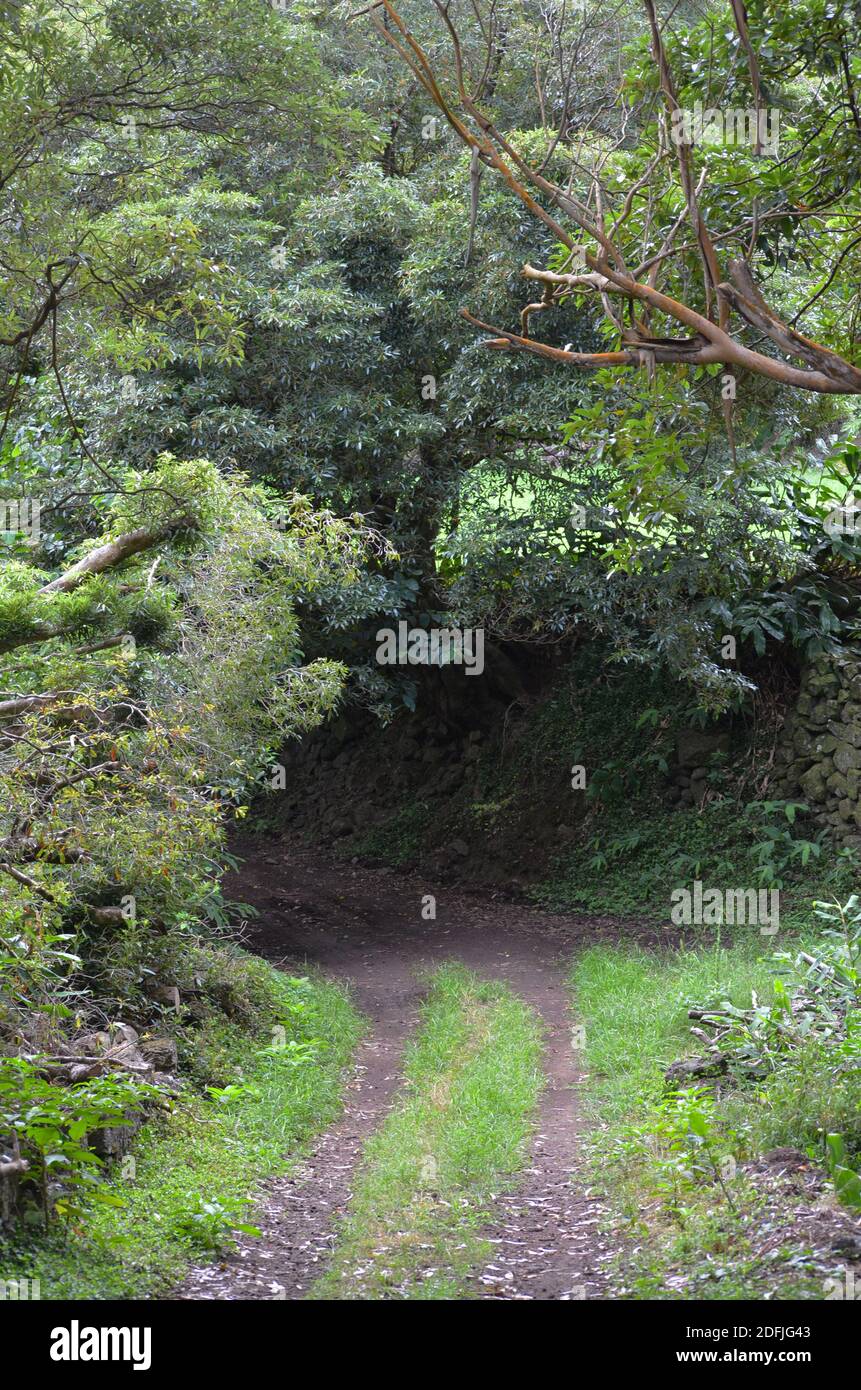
point(458, 1133)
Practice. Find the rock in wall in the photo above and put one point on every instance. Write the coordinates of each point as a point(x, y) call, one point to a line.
point(819, 755)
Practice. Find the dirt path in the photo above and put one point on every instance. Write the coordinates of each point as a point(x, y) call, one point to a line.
point(299, 1215)
point(365, 927)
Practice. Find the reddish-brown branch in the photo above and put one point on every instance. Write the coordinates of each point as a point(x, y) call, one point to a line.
point(712, 342)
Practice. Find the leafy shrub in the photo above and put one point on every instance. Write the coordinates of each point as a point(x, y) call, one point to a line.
point(685, 1145)
point(816, 998)
point(208, 1225)
point(804, 1047)
point(48, 1127)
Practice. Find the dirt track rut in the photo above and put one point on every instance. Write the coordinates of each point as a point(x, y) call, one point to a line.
point(364, 927)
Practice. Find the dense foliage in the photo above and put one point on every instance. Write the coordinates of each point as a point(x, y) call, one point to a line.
point(244, 420)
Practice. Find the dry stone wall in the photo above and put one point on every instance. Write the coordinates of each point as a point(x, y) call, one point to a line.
point(819, 757)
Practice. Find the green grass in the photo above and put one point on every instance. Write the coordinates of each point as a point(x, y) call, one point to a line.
point(458, 1132)
point(202, 1151)
point(685, 1238)
point(634, 1006)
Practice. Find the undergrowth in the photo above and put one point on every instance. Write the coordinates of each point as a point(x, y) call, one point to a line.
point(678, 1159)
point(189, 1178)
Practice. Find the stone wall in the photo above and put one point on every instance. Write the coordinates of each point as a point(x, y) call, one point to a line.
point(819, 755)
